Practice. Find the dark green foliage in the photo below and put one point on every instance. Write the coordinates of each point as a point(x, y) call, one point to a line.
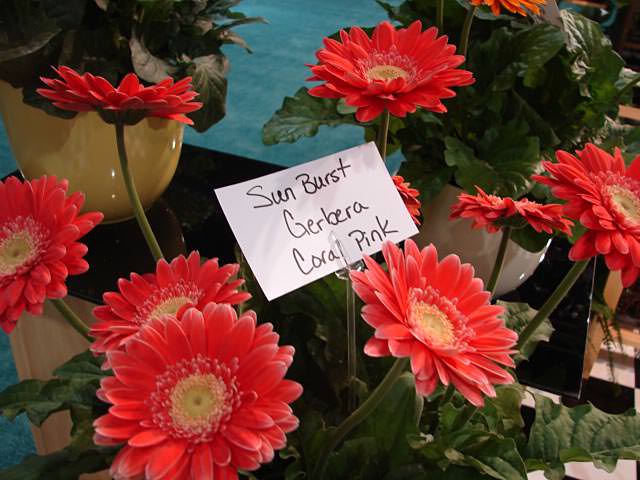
point(73, 390)
point(153, 38)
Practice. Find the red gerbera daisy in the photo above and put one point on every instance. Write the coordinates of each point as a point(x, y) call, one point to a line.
point(39, 232)
point(130, 102)
point(198, 398)
point(146, 297)
point(437, 314)
point(521, 7)
point(410, 197)
point(604, 196)
point(543, 217)
point(394, 70)
point(484, 209)
point(489, 212)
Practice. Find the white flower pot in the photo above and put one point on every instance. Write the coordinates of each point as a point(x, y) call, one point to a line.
point(477, 247)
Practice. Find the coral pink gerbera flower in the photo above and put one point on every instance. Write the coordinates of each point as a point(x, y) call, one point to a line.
point(437, 314)
point(541, 217)
point(130, 102)
point(490, 211)
point(394, 70)
point(39, 232)
point(410, 197)
point(604, 196)
point(146, 297)
point(198, 398)
point(485, 210)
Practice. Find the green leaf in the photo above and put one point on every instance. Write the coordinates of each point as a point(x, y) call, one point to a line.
point(529, 239)
point(84, 366)
point(596, 66)
point(489, 454)
point(27, 397)
point(537, 45)
point(539, 125)
point(232, 37)
point(39, 398)
point(502, 414)
point(209, 80)
point(502, 164)
point(82, 430)
point(516, 317)
point(458, 154)
point(34, 44)
point(581, 434)
point(146, 65)
point(301, 116)
point(355, 460)
point(512, 156)
point(68, 14)
point(589, 45)
point(495, 457)
point(66, 464)
point(78, 382)
point(427, 176)
point(395, 418)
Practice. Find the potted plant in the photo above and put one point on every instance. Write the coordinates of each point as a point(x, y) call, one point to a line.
point(154, 39)
point(538, 87)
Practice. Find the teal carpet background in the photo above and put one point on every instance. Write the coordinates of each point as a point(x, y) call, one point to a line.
point(257, 85)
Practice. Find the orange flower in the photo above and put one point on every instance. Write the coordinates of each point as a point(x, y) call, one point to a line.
point(174, 285)
point(410, 197)
point(39, 232)
point(437, 314)
point(130, 102)
point(521, 7)
point(394, 70)
point(604, 196)
point(490, 211)
point(198, 397)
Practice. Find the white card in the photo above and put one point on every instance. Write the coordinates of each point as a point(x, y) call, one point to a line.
point(286, 223)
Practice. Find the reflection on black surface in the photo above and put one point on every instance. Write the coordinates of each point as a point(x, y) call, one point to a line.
point(556, 366)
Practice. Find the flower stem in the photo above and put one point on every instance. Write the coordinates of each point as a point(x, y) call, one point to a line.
point(466, 30)
point(442, 401)
point(440, 15)
point(138, 210)
point(383, 134)
point(553, 301)
point(357, 417)
point(497, 266)
point(71, 318)
point(447, 395)
point(352, 359)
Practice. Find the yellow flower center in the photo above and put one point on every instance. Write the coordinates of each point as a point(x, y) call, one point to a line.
point(168, 300)
point(198, 401)
point(386, 72)
point(169, 307)
point(22, 243)
point(432, 324)
point(626, 202)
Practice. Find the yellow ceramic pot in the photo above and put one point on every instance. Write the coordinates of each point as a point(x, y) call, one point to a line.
point(83, 150)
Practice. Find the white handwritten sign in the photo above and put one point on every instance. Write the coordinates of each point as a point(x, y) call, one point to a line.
point(285, 222)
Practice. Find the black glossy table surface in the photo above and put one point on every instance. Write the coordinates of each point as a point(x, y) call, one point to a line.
point(188, 217)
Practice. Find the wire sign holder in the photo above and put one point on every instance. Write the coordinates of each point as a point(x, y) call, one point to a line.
point(349, 265)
